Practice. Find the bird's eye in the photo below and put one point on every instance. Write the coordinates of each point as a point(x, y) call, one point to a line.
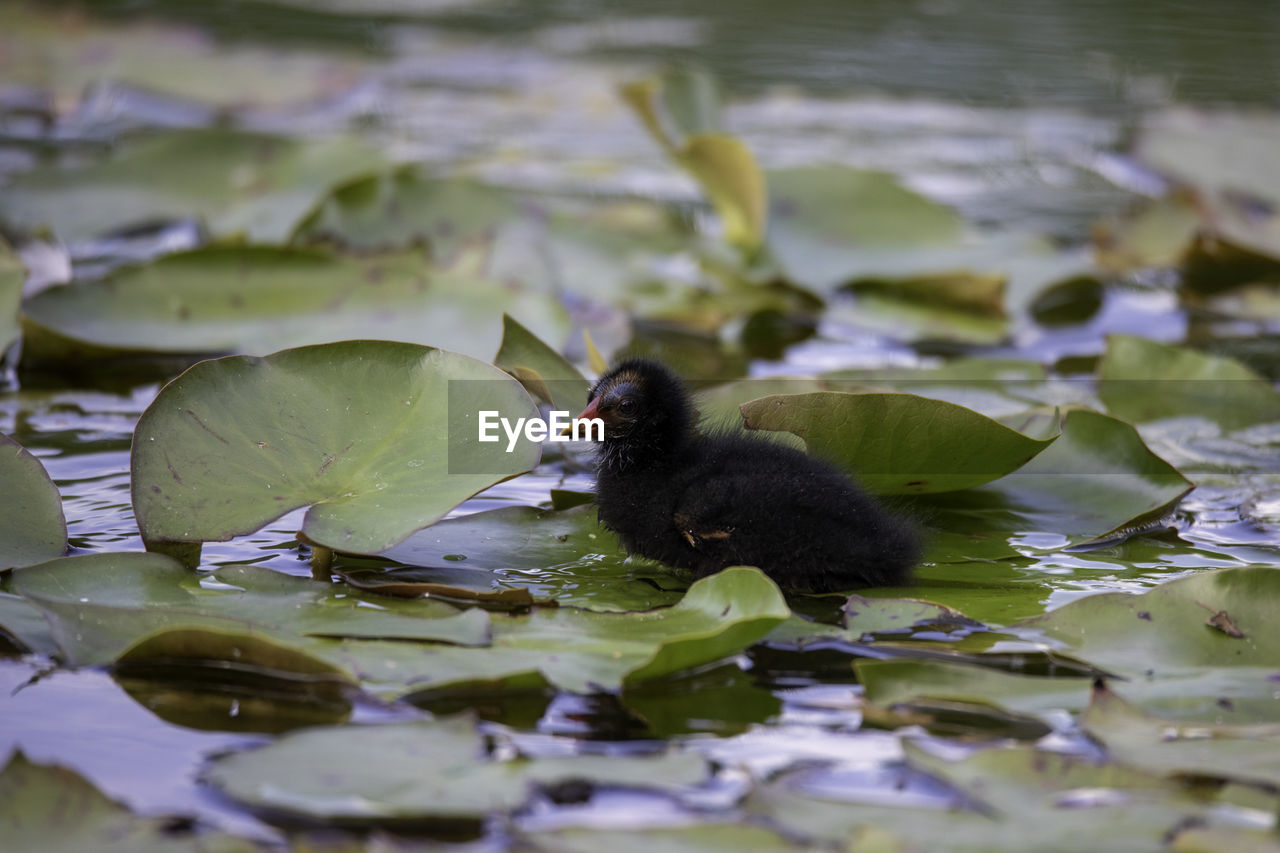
point(627, 407)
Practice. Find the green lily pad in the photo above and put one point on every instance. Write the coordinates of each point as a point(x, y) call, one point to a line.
point(12, 275)
point(47, 807)
point(890, 682)
point(701, 838)
point(543, 372)
point(23, 627)
point(1097, 482)
point(898, 443)
point(1156, 235)
point(1229, 159)
point(406, 206)
point(864, 616)
point(100, 605)
point(1176, 661)
point(423, 771)
point(1141, 380)
point(1243, 752)
point(1007, 799)
point(239, 183)
point(563, 556)
point(34, 526)
point(366, 433)
point(823, 219)
point(259, 299)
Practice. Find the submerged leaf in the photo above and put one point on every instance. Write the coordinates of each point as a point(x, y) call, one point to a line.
point(380, 439)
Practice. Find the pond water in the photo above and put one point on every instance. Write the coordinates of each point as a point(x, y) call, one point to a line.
point(1019, 117)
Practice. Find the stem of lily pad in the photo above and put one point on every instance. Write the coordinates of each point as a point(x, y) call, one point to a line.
point(321, 561)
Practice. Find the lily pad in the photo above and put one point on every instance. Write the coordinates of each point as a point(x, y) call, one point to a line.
point(1003, 799)
point(890, 682)
point(543, 372)
point(12, 275)
point(1176, 661)
point(1141, 381)
point(239, 183)
point(34, 526)
point(1156, 235)
point(898, 443)
point(366, 433)
point(701, 838)
point(47, 807)
point(1243, 752)
point(406, 206)
point(423, 771)
point(100, 605)
point(823, 219)
point(563, 556)
point(1097, 482)
point(23, 627)
point(259, 299)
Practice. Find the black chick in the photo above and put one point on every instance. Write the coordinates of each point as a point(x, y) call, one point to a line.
point(706, 502)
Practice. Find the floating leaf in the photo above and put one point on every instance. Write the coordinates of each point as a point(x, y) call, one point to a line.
point(898, 443)
point(890, 682)
point(1247, 753)
point(34, 528)
point(1156, 235)
point(23, 627)
point(435, 770)
point(1141, 380)
point(404, 207)
point(12, 275)
point(1176, 662)
point(561, 556)
point(259, 299)
point(699, 838)
point(99, 605)
point(824, 219)
point(239, 183)
point(47, 807)
point(1097, 482)
point(366, 433)
point(542, 371)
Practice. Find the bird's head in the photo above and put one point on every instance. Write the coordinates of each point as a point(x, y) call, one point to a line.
point(643, 405)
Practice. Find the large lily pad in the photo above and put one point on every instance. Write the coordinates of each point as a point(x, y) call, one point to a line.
point(1141, 380)
point(238, 182)
point(889, 682)
point(823, 219)
point(259, 299)
point(422, 771)
point(100, 605)
point(1163, 640)
point(898, 443)
point(366, 433)
point(47, 807)
point(406, 206)
point(562, 556)
point(1229, 159)
point(1243, 752)
point(1097, 482)
point(34, 526)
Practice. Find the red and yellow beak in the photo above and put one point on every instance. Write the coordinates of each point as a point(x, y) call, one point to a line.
point(591, 411)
